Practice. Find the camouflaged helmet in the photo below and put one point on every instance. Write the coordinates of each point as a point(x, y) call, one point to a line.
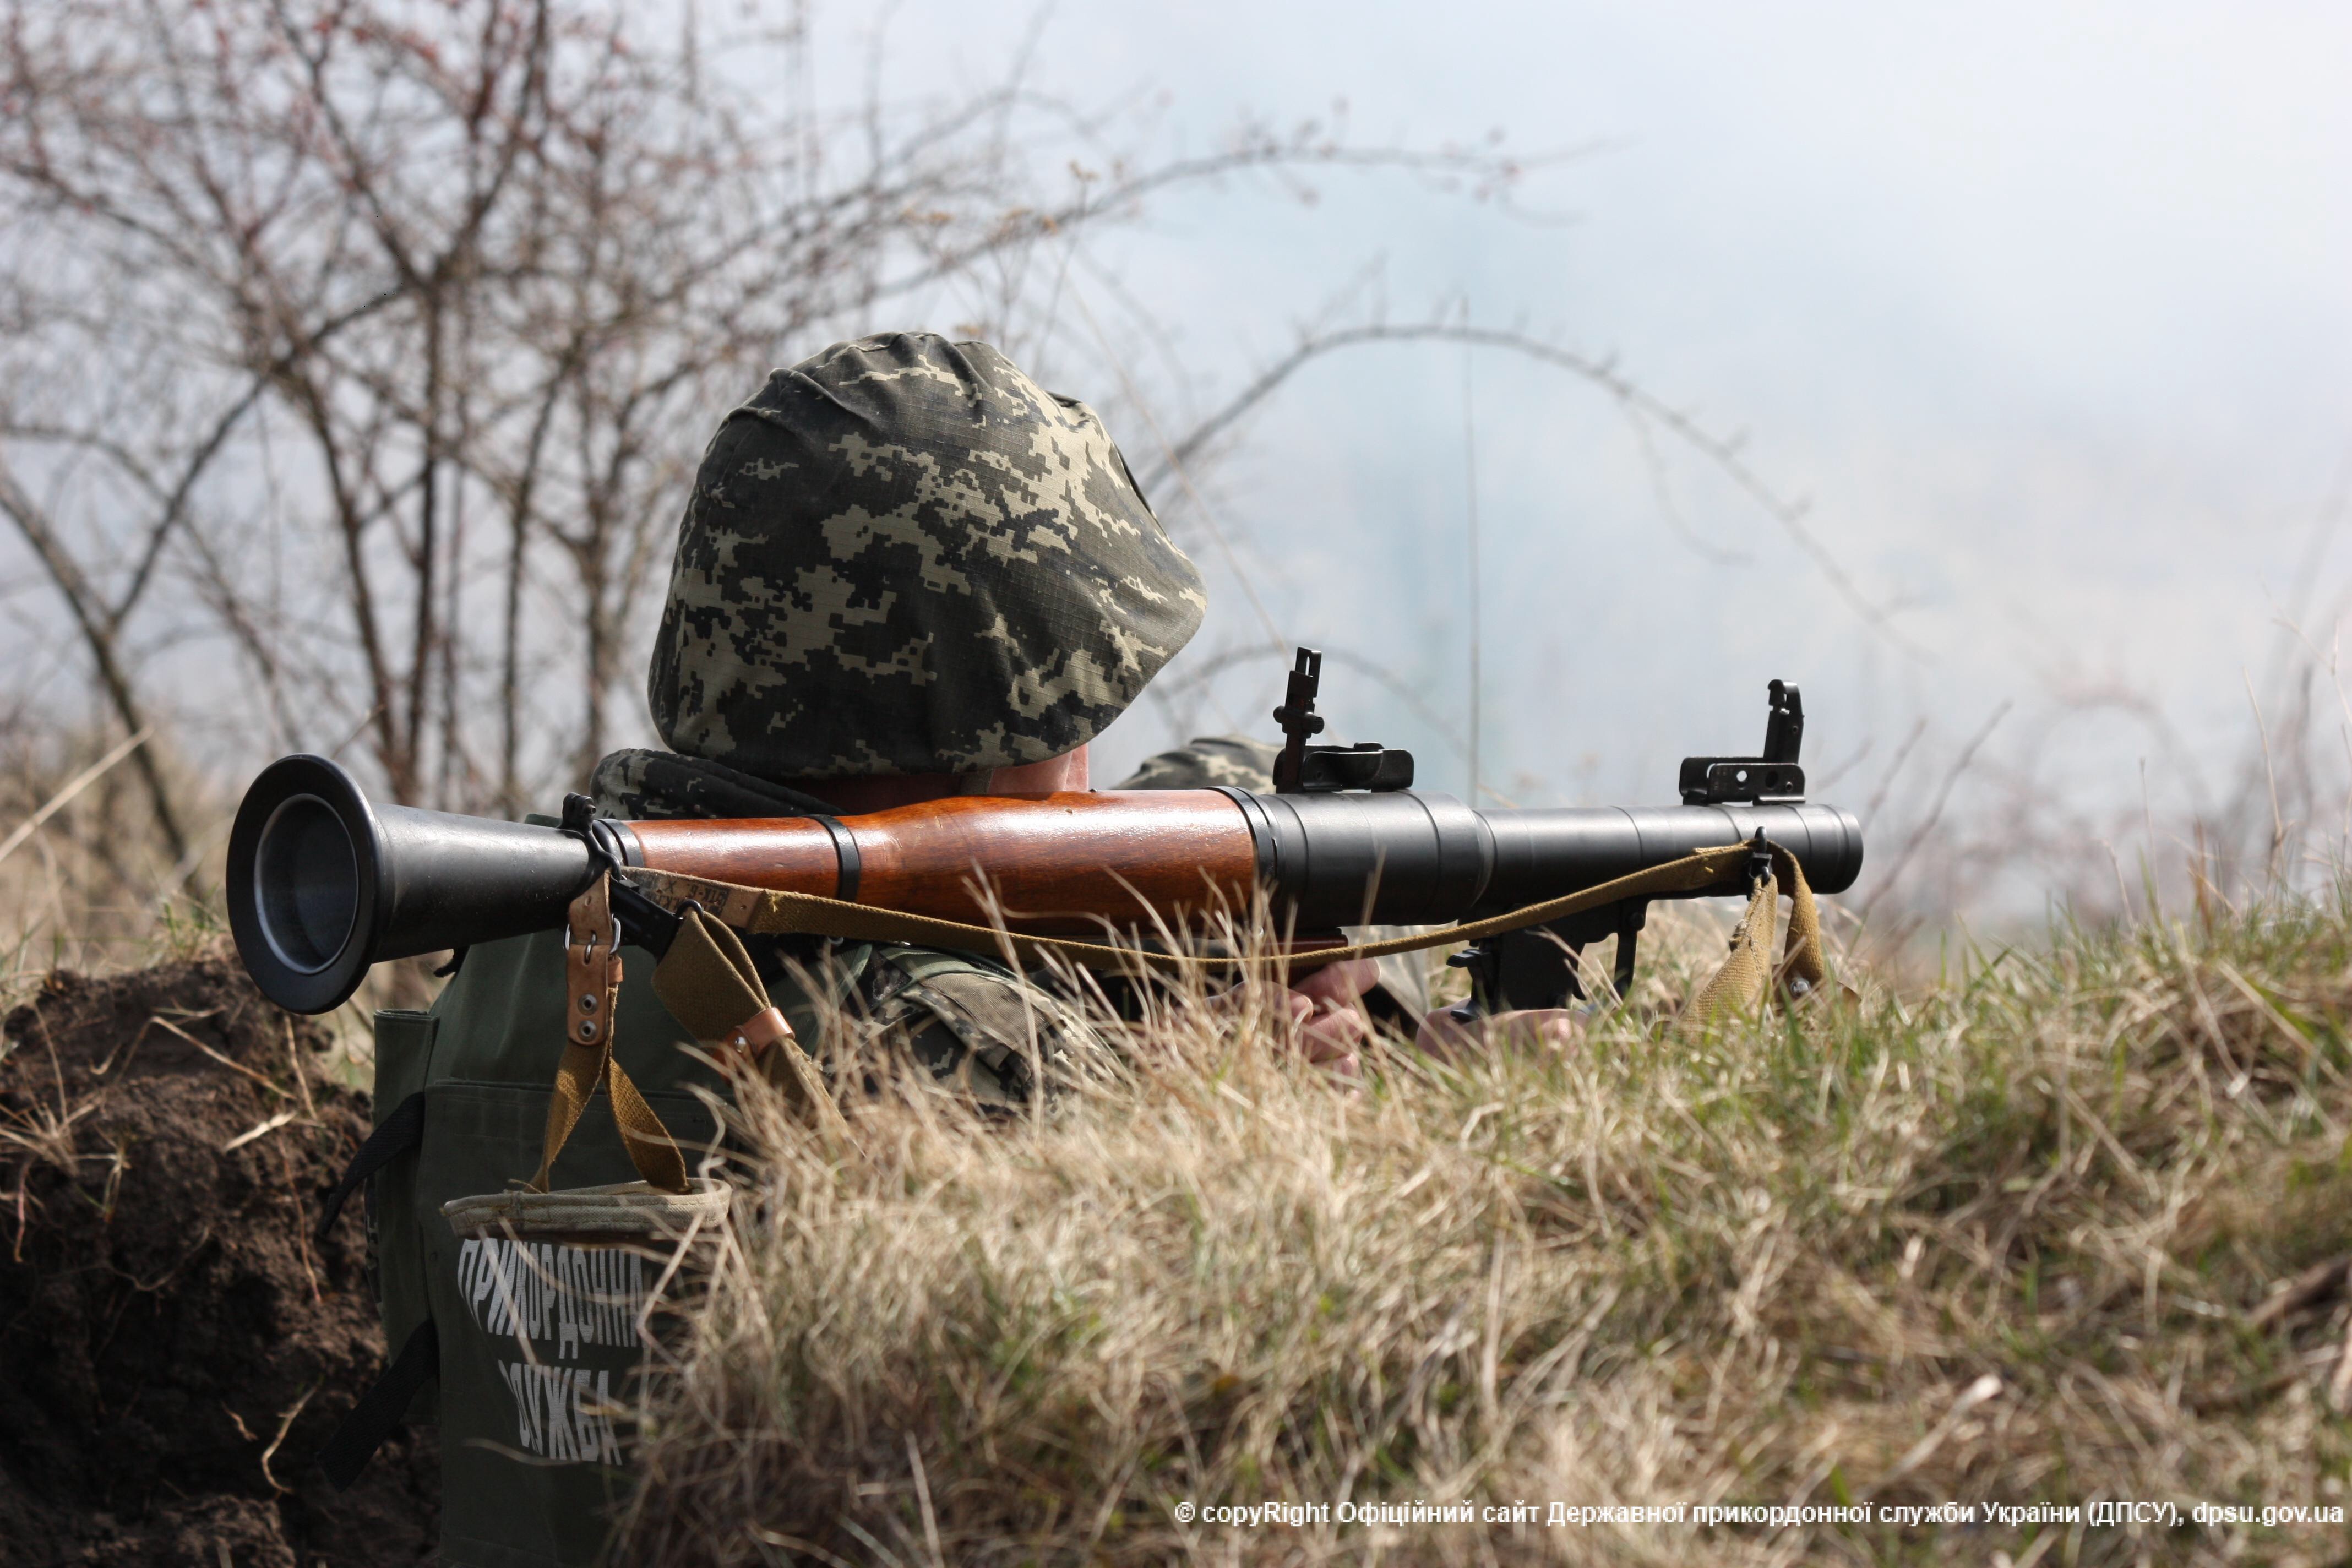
point(904, 556)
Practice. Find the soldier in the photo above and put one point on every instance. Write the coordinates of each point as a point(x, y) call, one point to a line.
point(906, 571)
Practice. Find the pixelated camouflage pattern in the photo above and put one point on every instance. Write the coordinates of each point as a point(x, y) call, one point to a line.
point(1237, 761)
point(639, 785)
point(1208, 760)
point(978, 1029)
point(904, 556)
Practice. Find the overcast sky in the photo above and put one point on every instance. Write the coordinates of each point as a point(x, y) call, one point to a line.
point(2048, 310)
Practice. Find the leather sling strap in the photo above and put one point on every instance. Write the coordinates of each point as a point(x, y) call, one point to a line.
point(708, 981)
point(592, 976)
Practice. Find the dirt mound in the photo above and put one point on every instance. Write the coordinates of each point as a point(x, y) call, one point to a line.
point(174, 1349)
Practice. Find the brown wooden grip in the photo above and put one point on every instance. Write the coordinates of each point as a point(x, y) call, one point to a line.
point(1054, 863)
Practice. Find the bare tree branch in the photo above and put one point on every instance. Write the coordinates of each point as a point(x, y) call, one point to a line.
point(392, 332)
point(99, 637)
point(1640, 403)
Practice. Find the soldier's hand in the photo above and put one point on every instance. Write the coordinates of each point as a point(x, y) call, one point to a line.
point(1443, 1035)
point(1327, 1019)
point(1326, 1014)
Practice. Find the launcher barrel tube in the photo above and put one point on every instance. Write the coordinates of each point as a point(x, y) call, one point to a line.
point(323, 882)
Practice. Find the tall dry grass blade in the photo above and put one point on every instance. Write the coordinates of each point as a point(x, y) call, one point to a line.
point(72, 787)
point(1783, 1261)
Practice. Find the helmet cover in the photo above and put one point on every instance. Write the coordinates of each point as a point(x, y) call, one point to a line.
point(903, 556)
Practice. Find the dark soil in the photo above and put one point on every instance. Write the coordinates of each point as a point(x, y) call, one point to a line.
point(173, 1349)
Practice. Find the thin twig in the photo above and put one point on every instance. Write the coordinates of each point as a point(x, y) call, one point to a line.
point(74, 786)
point(1943, 797)
point(2314, 1287)
point(285, 1425)
point(301, 1221)
point(2278, 822)
point(1721, 451)
point(923, 1496)
point(302, 1078)
point(1470, 528)
point(263, 1130)
point(227, 1061)
point(1984, 1388)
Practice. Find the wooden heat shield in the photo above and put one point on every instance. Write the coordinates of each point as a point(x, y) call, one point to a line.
point(1055, 863)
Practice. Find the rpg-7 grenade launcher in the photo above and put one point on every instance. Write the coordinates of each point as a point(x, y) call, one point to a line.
point(323, 882)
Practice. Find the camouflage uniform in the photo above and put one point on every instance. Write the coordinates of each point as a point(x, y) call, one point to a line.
point(1208, 762)
point(900, 557)
point(1236, 761)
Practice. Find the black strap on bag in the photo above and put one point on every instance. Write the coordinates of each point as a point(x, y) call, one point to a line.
point(380, 1409)
point(402, 1131)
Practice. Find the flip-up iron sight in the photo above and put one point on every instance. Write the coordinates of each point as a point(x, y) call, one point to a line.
point(1772, 779)
point(1302, 769)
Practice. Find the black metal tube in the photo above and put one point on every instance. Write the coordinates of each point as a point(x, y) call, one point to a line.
point(321, 883)
point(1412, 858)
point(1399, 858)
point(1545, 852)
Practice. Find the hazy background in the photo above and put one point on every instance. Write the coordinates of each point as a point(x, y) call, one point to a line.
point(2047, 309)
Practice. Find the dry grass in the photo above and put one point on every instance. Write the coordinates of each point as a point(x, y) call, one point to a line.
point(1766, 1267)
point(86, 882)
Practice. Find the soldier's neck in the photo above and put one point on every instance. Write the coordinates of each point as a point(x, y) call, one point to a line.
point(854, 797)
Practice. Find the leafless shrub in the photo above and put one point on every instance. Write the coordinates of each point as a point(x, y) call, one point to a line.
point(1999, 826)
point(365, 348)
